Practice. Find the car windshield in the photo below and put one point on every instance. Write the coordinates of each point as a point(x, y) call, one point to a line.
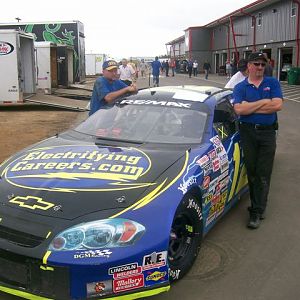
point(146, 124)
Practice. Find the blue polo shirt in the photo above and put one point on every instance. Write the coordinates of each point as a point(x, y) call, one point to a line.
point(268, 89)
point(156, 66)
point(102, 87)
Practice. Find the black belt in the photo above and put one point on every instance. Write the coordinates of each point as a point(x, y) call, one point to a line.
point(273, 126)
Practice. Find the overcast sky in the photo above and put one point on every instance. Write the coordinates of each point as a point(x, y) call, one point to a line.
point(124, 28)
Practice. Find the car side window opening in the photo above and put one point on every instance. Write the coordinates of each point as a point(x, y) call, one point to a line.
point(225, 120)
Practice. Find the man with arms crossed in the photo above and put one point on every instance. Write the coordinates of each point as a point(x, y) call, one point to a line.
point(257, 99)
point(108, 87)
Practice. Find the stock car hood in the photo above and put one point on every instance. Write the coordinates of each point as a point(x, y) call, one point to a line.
point(69, 180)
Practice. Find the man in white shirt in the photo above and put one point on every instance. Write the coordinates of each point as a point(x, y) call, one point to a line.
point(195, 68)
point(126, 72)
point(238, 76)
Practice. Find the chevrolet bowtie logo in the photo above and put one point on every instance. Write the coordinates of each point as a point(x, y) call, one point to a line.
point(31, 202)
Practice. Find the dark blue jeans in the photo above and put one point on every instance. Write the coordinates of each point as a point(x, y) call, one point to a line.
point(259, 148)
point(156, 80)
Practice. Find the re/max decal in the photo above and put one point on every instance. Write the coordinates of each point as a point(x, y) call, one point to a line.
point(154, 102)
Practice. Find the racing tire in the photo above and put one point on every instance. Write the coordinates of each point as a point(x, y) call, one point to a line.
point(185, 237)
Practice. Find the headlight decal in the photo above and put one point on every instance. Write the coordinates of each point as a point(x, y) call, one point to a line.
point(107, 233)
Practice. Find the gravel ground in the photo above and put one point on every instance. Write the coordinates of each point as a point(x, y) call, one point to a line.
point(22, 126)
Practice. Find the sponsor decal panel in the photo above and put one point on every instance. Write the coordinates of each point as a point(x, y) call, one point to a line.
point(72, 168)
point(92, 254)
point(207, 198)
point(157, 103)
point(155, 276)
point(207, 169)
point(128, 283)
point(193, 204)
point(155, 260)
point(212, 154)
point(186, 184)
point(216, 165)
point(6, 48)
point(100, 288)
point(125, 270)
point(174, 274)
point(203, 161)
point(215, 140)
point(206, 181)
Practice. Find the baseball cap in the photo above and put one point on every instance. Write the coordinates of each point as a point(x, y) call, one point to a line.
point(110, 65)
point(256, 56)
point(242, 65)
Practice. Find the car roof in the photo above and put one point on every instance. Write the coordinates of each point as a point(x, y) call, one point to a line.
point(188, 92)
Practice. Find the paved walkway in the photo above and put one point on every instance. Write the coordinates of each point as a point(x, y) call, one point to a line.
point(290, 92)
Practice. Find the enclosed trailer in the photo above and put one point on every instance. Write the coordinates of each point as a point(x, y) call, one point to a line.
point(93, 63)
point(17, 65)
point(70, 33)
point(65, 65)
point(46, 64)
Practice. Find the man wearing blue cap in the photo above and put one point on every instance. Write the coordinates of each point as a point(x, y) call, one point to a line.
point(257, 99)
point(108, 87)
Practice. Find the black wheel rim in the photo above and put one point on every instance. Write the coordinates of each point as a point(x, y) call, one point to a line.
point(181, 238)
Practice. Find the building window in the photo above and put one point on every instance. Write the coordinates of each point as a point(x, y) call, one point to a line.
point(293, 10)
point(259, 19)
point(252, 22)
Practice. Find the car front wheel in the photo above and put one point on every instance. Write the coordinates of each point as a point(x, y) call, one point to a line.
point(185, 237)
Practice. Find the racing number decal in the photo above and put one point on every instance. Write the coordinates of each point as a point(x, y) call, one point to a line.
point(31, 202)
point(236, 159)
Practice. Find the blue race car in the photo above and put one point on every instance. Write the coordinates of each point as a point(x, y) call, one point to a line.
point(117, 207)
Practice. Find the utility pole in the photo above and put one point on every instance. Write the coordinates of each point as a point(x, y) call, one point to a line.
point(18, 19)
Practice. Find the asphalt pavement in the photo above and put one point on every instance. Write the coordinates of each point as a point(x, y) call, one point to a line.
point(180, 79)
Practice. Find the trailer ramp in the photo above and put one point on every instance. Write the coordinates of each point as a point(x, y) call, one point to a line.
point(56, 101)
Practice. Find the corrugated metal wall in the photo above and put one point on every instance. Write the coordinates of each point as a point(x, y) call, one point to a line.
point(277, 25)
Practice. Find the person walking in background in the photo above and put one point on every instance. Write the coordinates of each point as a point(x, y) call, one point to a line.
point(108, 87)
point(143, 69)
point(134, 67)
point(195, 68)
point(233, 67)
point(257, 99)
point(268, 67)
point(163, 66)
point(190, 67)
point(206, 68)
point(173, 66)
point(228, 68)
point(156, 69)
point(239, 76)
point(126, 72)
point(167, 68)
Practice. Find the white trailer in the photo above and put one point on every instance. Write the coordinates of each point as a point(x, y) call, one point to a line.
point(17, 65)
point(46, 61)
point(93, 63)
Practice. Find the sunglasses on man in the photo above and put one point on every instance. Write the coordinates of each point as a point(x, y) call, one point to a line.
point(257, 64)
